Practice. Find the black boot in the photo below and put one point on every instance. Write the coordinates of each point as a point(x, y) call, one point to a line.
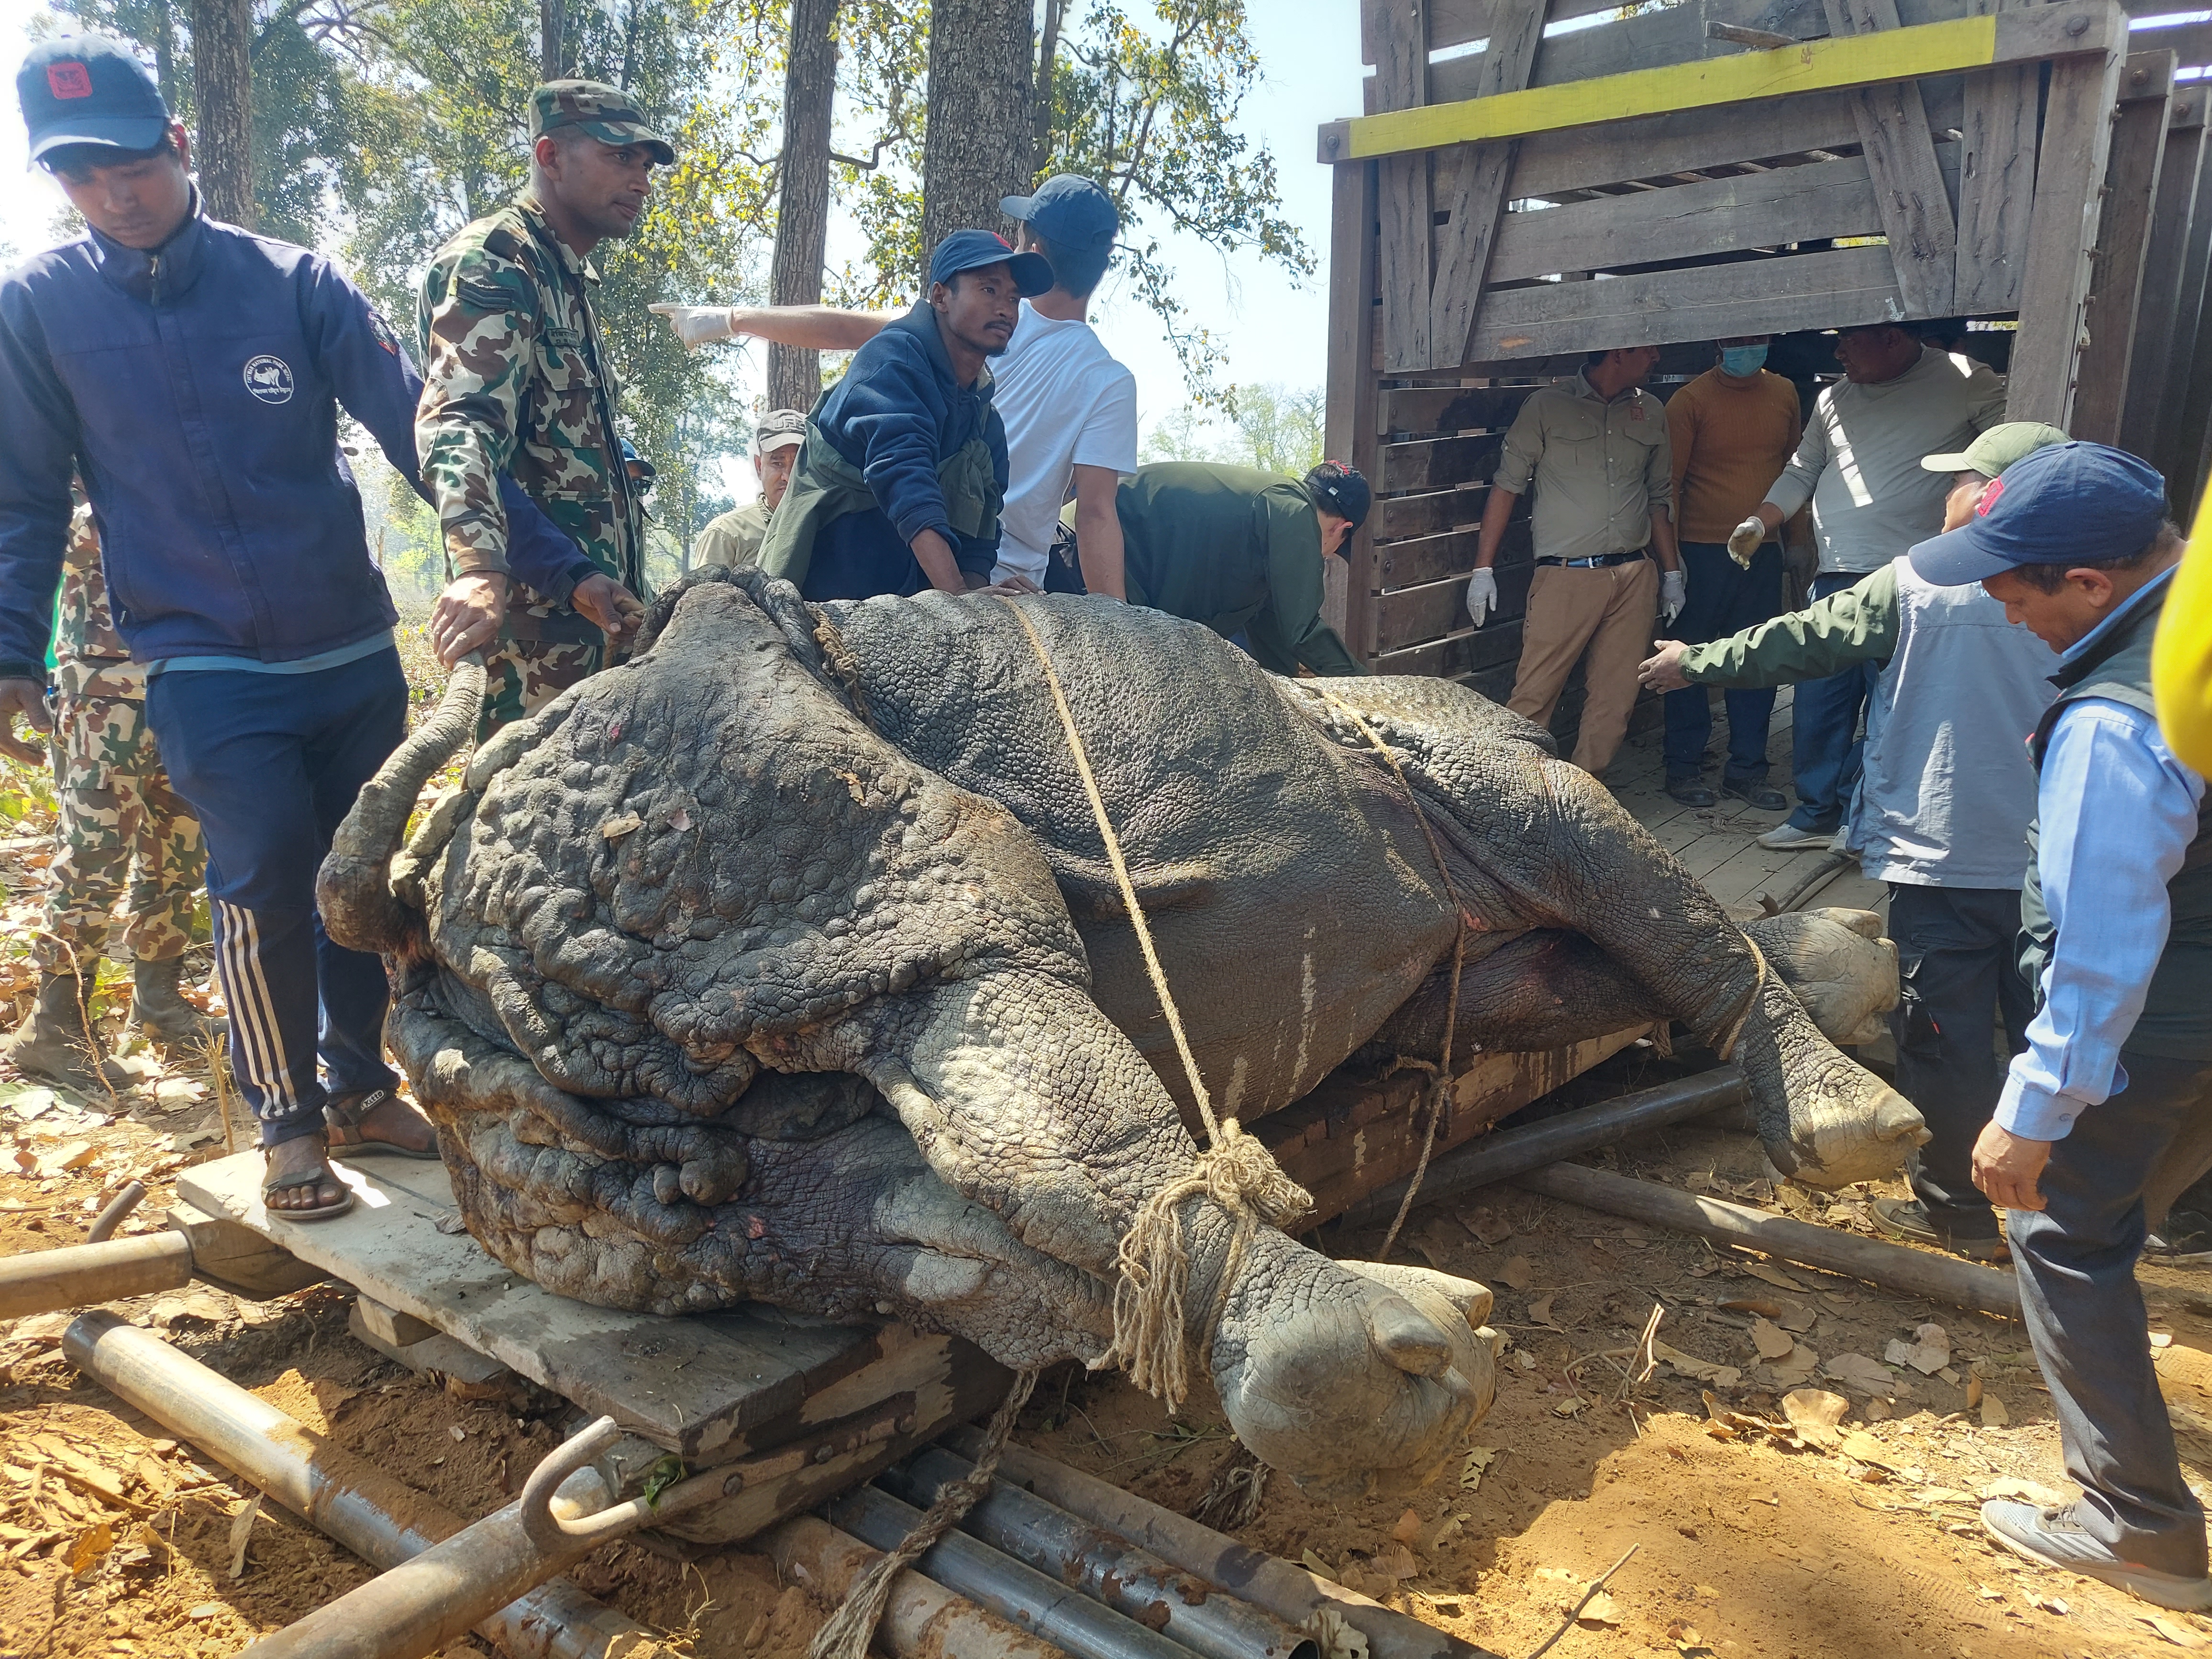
point(158, 1009)
point(54, 1044)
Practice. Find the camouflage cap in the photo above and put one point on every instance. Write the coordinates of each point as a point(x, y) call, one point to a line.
point(603, 112)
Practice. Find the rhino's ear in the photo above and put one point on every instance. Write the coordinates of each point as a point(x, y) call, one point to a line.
point(1423, 1286)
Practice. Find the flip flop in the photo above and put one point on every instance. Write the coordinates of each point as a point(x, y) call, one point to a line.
point(292, 1183)
point(345, 1116)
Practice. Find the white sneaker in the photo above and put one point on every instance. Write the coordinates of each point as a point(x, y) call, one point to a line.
point(1787, 835)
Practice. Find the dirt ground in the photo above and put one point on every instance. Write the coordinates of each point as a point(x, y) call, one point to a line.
point(1750, 1538)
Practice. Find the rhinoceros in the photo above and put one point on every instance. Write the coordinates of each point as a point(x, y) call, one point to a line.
point(786, 963)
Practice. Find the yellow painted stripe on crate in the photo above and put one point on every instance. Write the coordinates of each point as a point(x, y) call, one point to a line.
point(1944, 48)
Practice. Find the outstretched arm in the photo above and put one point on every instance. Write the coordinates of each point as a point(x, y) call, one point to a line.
point(1859, 624)
point(810, 328)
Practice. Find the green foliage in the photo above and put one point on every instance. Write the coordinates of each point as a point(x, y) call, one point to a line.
point(1275, 427)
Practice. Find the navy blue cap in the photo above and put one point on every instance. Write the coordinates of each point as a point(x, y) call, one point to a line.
point(88, 89)
point(971, 250)
point(1069, 209)
point(1341, 489)
point(2065, 504)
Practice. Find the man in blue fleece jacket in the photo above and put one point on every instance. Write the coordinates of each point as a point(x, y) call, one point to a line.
point(899, 483)
point(193, 372)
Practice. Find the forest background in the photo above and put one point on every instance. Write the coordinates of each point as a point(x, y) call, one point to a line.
point(374, 129)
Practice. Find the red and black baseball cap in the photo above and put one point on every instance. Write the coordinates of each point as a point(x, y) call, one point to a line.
point(89, 89)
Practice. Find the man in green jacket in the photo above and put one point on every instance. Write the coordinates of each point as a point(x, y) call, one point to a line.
point(1241, 550)
point(1940, 814)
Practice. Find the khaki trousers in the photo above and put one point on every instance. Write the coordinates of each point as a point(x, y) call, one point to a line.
point(1607, 612)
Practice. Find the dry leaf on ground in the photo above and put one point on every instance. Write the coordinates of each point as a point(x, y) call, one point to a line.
point(241, 1535)
point(1517, 1273)
point(1540, 1313)
point(1409, 1527)
point(1795, 1367)
point(1697, 1370)
point(1928, 1352)
point(1394, 1561)
point(1602, 1610)
point(1485, 1224)
point(1771, 1340)
point(1815, 1413)
point(1477, 1464)
point(1994, 1414)
point(91, 1544)
point(2028, 1491)
point(2181, 1635)
point(1861, 1375)
point(1798, 1317)
point(1773, 1276)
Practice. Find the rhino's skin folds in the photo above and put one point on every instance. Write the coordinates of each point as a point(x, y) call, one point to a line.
point(784, 963)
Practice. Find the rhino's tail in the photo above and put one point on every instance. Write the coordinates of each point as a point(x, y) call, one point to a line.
point(354, 887)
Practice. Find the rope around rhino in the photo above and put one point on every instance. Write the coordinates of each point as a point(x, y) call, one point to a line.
point(1233, 1170)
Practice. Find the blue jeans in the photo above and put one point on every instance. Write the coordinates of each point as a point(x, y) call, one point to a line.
point(2084, 1314)
point(1825, 749)
point(272, 762)
point(1724, 599)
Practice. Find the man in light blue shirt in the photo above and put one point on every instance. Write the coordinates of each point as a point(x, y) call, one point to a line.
point(2117, 938)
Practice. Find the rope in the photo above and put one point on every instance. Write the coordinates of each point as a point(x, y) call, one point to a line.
point(1726, 1047)
point(847, 1633)
point(1439, 1090)
point(1233, 1170)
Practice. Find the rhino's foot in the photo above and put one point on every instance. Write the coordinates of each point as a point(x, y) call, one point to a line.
point(1840, 965)
point(1826, 1120)
point(1351, 1377)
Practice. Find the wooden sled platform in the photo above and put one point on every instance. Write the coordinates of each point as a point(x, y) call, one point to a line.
point(810, 1407)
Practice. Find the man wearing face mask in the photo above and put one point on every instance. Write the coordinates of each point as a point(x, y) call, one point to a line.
point(1731, 430)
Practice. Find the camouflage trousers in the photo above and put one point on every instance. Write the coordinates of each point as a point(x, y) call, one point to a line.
point(522, 675)
point(122, 834)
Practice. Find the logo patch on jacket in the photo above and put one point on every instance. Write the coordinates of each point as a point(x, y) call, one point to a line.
point(269, 379)
point(69, 81)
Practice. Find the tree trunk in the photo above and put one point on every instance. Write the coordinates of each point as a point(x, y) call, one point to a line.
point(976, 146)
point(802, 212)
point(222, 91)
point(551, 19)
point(1055, 12)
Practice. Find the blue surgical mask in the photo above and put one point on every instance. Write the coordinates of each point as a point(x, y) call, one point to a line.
point(1742, 361)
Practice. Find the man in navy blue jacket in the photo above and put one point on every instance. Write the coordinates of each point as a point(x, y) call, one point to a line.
point(192, 373)
point(899, 483)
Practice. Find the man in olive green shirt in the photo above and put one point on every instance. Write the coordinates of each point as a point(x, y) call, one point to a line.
point(1241, 550)
point(735, 539)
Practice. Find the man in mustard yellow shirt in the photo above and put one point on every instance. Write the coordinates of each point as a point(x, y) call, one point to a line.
point(1731, 432)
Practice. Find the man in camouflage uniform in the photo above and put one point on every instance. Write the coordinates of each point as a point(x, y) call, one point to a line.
point(517, 378)
point(122, 833)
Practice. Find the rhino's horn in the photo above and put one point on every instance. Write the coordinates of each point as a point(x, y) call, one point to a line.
point(354, 888)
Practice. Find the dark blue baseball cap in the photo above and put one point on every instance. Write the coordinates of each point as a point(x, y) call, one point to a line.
point(1068, 209)
point(2065, 504)
point(88, 89)
point(971, 250)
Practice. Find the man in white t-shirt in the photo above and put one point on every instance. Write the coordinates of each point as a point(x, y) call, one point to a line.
point(1070, 410)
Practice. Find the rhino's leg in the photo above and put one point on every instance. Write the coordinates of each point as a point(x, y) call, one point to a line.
point(1022, 1096)
point(1546, 843)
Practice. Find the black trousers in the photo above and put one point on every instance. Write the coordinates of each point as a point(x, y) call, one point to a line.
point(2076, 1262)
point(1958, 980)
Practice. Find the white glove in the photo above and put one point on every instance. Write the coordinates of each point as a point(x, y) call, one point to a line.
point(1674, 594)
point(1743, 541)
point(696, 325)
point(1482, 596)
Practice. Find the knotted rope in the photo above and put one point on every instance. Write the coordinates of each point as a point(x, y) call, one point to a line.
point(1726, 1047)
point(849, 1630)
point(1233, 1170)
point(1440, 1091)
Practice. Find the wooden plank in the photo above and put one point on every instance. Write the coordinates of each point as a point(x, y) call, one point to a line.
point(2188, 398)
point(1416, 616)
point(2069, 178)
point(697, 1385)
point(2158, 342)
point(1830, 289)
point(1493, 651)
point(1996, 183)
point(1349, 406)
point(1402, 81)
point(1908, 185)
point(2132, 176)
point(1449, 408)
point(1716, 216)
point(1396, 517)
point(1656, 146)
point(1438, 462)
point(1476, 194)
point(1351, 1136)
point(1432, 558)
point(1946, 47)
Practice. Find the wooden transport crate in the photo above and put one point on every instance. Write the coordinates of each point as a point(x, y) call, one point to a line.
point(1536, 179)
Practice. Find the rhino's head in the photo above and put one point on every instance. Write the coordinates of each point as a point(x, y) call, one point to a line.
point(704, 865)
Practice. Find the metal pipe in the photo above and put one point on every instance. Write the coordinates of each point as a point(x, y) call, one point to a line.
point(922, 1621)
point(1267, 1582)
point(83, 1275)
point(1022, 1596)
point(120, 1206)
point(1502, 1156)
point(1917, 1273)
point(372, 1514)
point(1105, 1567)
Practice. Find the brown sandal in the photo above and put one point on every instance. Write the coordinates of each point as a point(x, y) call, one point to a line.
point(345, 1115)
point(316, 1178)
